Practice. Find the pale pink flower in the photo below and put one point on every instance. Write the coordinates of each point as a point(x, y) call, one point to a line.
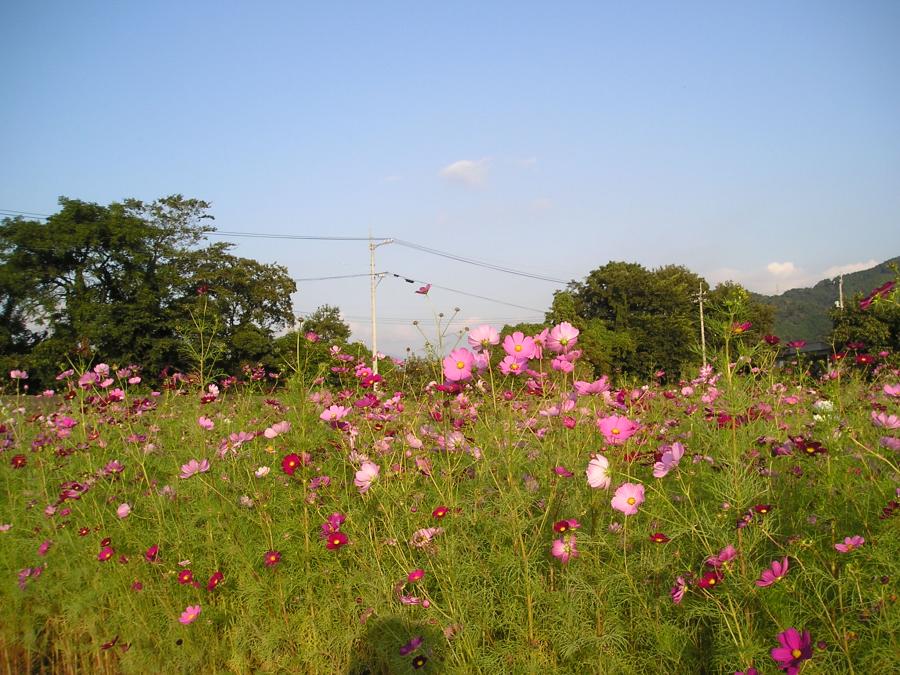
point(595, 387)
point(367, 473)
point(678, 590)
point(598, 472)
point(334, 413)
point(206, 423)
point(885, 421)
point(483, 337)
point(510, 365)
point(669, 460)
point(262, 471)
point(421, 538)
point(892, 390)
point(190, 614)
point(850, 543)
point(458, 365)
point(519, 346)
point(123, 510)
point(616, 429)
point(277, 429)
point(562, 337)
point(564, 548)
point(628, 497)
point(193, 467)
point(18, 374)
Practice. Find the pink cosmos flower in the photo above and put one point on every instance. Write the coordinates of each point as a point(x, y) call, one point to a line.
point(562, 337)
point(775, 572)
point(458, 365)
point(564, 548)
point(367, 473)
point(678, 590)
point(415, 575)
point(616, 429)
point(123, 510)
point(598, 472)
point(850, 543)
point(892, 390)
point(18, 374)
point(422, 538)
point(519, 346)
point(595, 387)
point(725, 555)
point(334, 413)
point(194, 467)
point(510, 365)
point(44, 547)
point(885, 421)
point(669, 460)
point(628, 497)
point(483, 337)
point(795, 648)
point(277, 429)
point(190, 614)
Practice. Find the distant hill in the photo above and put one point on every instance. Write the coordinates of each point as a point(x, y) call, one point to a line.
point(802, 313)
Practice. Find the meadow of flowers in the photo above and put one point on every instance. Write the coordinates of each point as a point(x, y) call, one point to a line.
point(513, 515)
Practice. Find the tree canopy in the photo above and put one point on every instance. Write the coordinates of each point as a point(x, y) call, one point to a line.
point(121, 279)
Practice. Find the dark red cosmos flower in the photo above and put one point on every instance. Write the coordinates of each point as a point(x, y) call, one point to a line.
point(105, 553)
point(419, 661)
point(18, 461)
point(864, 359)
point(797, 344)
point(838, 356)
point(152, 553)
point(185, 577)
point(439, 512)
point(84, 531)
point(336, 541)
point(215, 580)
point(290, 463)
point(762, 508)
point(106, 541)
point(659, 538)
point(856, 346)
point(272, 558)
point(772, 339)
point(566, 525)
point(710, 579)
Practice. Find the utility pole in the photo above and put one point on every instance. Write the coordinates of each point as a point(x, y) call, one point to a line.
point(699, 298)
point(374, 278)
point(841, 292)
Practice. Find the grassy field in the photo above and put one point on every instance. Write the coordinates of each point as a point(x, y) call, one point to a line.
point(745, 517)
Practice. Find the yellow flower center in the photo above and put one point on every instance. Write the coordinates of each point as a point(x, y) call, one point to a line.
point(712, 582)
point(460, 365)
point(796, 653)
point(631, 500)
point(514, 366)
point(518, 348)
point(615, 432)
point(564, 341)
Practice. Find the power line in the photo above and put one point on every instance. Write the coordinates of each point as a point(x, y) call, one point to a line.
point(302, 237)
point(471, 295)
point(339, 276)
point(478, 263)
point(29, 214)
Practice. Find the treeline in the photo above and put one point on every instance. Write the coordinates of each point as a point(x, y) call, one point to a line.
point(137, 283)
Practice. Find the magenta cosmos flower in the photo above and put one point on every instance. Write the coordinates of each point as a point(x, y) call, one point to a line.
point(272, 558)
point(598, 472)
point(458, 366)
point(564, 548)
point(336, 540)
point(511, 365)
point(795, 648)
point(850, 543)
point(775, 572)
point(562, 337)
point(519, 346)
point(190, 614)
point(616, 429)
point(483, 337)
point(367, 473)
point(628, 497)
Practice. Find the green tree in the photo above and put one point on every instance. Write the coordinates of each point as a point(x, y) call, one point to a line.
point(326, 322)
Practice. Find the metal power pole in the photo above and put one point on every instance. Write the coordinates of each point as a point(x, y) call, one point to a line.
point(841, 292)
point(374, 278)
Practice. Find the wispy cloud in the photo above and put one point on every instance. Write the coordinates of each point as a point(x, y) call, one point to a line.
point(467, 171)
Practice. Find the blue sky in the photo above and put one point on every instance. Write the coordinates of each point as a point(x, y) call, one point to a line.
point(753, 141)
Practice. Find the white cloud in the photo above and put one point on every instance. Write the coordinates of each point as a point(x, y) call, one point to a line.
point(528, 162)
point(782, 269)
point(849, 268)
point(541, 204)
point(467, 171)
